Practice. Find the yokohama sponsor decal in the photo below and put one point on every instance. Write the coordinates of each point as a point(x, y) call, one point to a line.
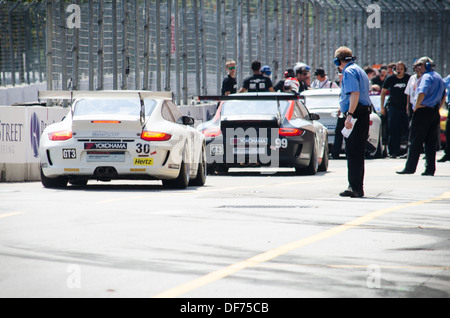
point(105, 145)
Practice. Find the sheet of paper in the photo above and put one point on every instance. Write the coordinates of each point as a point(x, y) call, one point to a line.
point(346, 132)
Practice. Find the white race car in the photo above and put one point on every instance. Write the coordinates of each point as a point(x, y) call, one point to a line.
point(128, 135)
point(325, 103)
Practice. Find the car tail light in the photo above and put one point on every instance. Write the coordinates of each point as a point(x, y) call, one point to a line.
point(214, 132)
point(370, 123)
point(105, 121)
point(291, 132)
point(60, 135)
point(155, 136)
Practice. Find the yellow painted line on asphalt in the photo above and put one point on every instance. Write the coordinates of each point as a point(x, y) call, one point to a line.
point(217, 189)
point(271, 254)
point(2, 216)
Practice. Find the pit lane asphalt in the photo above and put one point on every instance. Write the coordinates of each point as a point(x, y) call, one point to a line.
point(244, 234)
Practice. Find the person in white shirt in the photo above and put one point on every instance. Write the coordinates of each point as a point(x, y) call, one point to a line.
point(410, 91)
point(322, 80)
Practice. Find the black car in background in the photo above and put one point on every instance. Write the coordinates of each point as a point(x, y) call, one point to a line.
point(265, 129)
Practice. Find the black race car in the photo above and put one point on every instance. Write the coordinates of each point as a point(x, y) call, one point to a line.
point(265, 129)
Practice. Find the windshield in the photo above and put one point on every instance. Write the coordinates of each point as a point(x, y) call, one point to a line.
point(322, 101)
point(253, 107)
point(113, 107)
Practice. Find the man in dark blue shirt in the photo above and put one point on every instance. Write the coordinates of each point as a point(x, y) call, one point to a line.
point(355, 104)
point(425, 122)
point(257, 82)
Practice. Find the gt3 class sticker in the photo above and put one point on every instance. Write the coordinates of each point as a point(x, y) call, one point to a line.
point(69, 153)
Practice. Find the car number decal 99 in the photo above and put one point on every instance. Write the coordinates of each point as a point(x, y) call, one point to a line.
point(281, 143)
point(143, 161)
point(69, 153)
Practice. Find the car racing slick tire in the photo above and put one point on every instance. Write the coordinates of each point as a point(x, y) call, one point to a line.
point(58, 182)
point(311, 169)
point(202, 171)
point(182, 181)
point(324, 164)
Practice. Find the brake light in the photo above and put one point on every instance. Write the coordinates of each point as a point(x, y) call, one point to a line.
point(105, 121)
point(214, 132)
point(60, 135)
point(155, 136)
point(290, 132)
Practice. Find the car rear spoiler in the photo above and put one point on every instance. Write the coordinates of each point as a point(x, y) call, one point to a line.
point(276, 97)
point(73, 95)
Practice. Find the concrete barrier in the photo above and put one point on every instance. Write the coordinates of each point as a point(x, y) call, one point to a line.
point(21, 128)
point(10, 95)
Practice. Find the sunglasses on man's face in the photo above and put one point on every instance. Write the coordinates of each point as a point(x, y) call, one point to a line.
point(232, 68)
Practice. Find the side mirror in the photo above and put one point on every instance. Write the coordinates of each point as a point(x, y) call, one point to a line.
point(314, 116)
point(187, 120)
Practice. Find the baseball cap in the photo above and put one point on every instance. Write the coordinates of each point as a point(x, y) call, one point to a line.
point(266, 70)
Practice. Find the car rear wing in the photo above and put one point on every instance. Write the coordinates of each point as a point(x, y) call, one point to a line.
point(72, 95)
point(276, 97)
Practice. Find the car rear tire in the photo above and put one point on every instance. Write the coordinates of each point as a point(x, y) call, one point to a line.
point(202, 171)
point(311, 169)
point(53, 183)
point(182, 181)
point(324, 164)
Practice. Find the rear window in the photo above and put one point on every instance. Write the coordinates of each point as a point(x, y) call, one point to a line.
point(113, 106)
point(253, 107)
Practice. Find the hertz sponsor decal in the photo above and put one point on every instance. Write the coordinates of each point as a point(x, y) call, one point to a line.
point(143, 161)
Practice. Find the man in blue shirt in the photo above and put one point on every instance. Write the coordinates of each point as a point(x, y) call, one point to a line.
point(355, 104)
point(425, 122)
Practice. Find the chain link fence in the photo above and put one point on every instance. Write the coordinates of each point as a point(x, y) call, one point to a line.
point(182, 45)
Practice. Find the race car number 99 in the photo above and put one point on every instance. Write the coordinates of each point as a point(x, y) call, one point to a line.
point(69, 153)
point(281, 143)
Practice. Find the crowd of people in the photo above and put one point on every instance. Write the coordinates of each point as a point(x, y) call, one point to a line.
point(410, 106)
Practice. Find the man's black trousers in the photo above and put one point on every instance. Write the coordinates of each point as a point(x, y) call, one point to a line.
point(424, 129)
point(356, 148)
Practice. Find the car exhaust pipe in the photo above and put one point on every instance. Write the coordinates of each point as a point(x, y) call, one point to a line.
point(105, 172)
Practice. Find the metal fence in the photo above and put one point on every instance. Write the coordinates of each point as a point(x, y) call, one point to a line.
point(182, 45)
